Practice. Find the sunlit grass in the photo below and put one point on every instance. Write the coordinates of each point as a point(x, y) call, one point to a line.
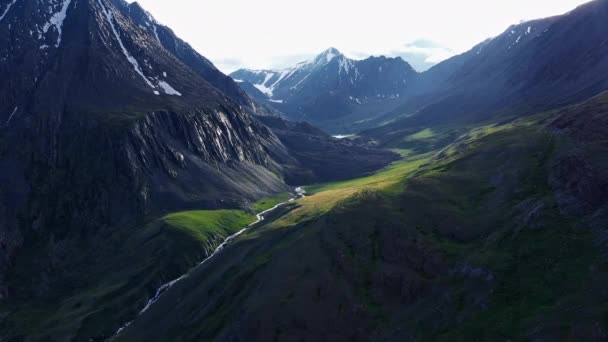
point(426, 133)
point(203, 223)
point(323, 197)
point(269, 202)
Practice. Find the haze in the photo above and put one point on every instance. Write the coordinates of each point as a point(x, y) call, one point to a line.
point(268, 34)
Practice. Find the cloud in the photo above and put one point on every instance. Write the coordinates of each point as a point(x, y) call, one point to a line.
point(287, 61)
point(227, 63)
point(422, 54)
point(276, 33)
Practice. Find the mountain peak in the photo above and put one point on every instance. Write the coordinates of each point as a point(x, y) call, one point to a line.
point(331, 51)
point(327, 56)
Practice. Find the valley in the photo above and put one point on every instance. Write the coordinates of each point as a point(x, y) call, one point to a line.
point(147, 196)
point(470, 231)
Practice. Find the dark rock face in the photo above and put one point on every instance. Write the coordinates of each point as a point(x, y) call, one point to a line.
point(187, 55)
point(580, 176)
point(331, 90)
point(320, 158)
point(102, 125)
point(107, 119)
point(479, 240)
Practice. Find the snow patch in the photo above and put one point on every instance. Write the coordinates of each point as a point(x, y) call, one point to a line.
point(277, 101)
point(11, 117)
point(355, 99)
point(110, 17)
point(263, 88)
point(156, 33)
point(302, 80)
point(345, 66)
point(57, 21)
point(169, 90)
point(343, 136)
point(330, 56)
point(8, 8)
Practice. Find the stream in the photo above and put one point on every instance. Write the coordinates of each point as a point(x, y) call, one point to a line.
point(164, 287)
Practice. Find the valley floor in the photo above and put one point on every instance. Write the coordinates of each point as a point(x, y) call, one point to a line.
point(465, 242)
point(470, 240)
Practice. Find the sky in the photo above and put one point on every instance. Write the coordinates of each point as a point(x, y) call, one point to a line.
point(275, 34)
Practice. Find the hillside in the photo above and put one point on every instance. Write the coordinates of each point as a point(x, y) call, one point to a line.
point(484, 239)
point(108, 124)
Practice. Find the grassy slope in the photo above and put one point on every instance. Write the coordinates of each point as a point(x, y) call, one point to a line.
point(536, 269)
point(482, 250)
point(205, 224)
point(537, 257)
point(269, 202)
point(126, 274)
point(323, 197)
point(466, 245)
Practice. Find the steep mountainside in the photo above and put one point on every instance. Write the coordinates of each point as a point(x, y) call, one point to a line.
point(533, 66)
point(127, 158)
point(109, 122)
point(332, 90)
point(500, 236)
point(107, 117)
point(322, 158)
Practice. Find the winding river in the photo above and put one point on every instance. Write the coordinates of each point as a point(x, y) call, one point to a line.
point(166, 286)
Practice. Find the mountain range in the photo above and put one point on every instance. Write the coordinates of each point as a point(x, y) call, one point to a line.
point(110, 121)
point(521, 70)
point(146, 196)
point(332, 90)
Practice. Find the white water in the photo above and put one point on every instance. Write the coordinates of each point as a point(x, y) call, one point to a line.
point(11, 117)
point(343, 136)
point(163, 288)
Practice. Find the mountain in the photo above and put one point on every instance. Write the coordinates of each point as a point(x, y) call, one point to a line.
point(533, 66)
point(499, 236)
point(106, 116)
point(332, 91)
point(128, 161)
point(492, 227)
point(110, 124)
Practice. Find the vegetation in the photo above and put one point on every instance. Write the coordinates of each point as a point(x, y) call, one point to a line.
point(322, 198)
point(123, 276)
point(462, 243)
point(484, 202)
point(203, 224)
point(269, 202)
point(426, 133)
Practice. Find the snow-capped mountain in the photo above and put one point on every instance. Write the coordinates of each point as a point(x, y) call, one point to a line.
point(109, 121)
point(281, 84)
point(119, 117)
point(331, 89)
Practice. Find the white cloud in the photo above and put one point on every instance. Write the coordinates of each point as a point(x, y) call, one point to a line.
point(271, 33)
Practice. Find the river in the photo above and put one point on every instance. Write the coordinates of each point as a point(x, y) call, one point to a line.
point(166, 286)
